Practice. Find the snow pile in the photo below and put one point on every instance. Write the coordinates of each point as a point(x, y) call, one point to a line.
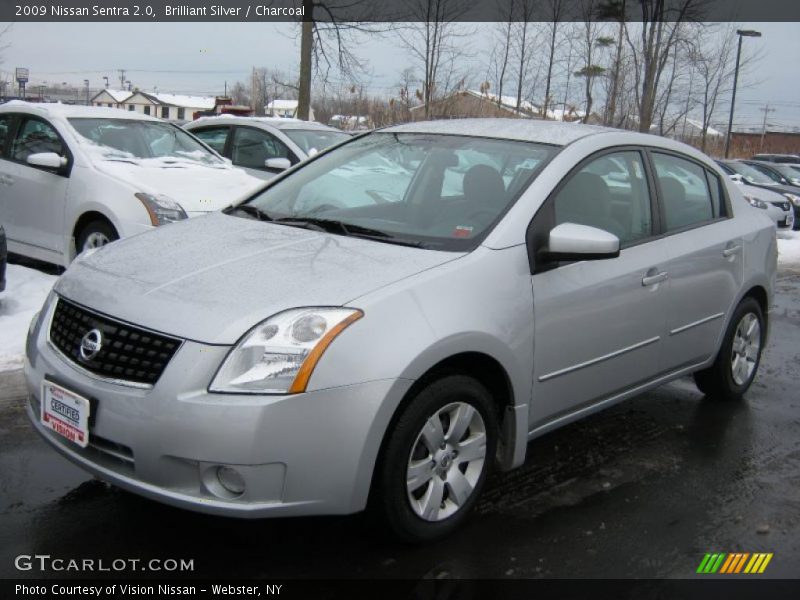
point(25, 293)
point(788, 248)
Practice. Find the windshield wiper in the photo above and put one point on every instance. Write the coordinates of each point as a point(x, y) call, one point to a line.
point(349, 229)
point(249, 209)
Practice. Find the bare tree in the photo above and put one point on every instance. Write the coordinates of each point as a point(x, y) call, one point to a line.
point(591, 39)
point(433, 41)
point(502, 47)
point(661, 22)
point(713, 62)
point(556, 10)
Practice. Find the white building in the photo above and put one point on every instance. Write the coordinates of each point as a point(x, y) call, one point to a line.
point(285, 109)
point(172, 107)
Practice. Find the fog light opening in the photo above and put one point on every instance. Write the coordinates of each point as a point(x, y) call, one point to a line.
point(231, 480)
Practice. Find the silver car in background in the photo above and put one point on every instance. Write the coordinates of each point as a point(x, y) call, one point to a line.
point(265, 146)
point(342, 339)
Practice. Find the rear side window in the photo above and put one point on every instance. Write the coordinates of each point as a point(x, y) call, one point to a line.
point(685, 193)
point(35, 137)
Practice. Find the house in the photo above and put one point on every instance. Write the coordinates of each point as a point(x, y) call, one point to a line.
point(111, 98)
point(472, 103)
point(285, 109)
point(172, 107)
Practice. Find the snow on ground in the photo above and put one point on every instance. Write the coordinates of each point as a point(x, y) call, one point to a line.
point(26, 290)
point(789, 248)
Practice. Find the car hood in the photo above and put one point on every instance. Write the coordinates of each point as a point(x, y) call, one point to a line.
point(212, 278)
point(197, 188)
point(763, 193)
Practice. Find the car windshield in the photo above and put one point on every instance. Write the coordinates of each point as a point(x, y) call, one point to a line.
point(310, 140)
point(432, 191)
point(750, 174)
point(789, 172)
point(132, 140)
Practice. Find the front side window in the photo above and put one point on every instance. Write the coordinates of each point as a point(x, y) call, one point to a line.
point(34, 137)
point(5, 130)
point(253, 147)
point(685, 194)
point(610, 193)
point(129, 139)
point(436, 191)
point(213, 136)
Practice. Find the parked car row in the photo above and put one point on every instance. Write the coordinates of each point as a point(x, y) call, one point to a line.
point(75, 178)
point(781, 201)
point(389, 320)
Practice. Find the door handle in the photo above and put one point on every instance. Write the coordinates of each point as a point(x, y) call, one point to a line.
point(648, 280)
point(731, 250)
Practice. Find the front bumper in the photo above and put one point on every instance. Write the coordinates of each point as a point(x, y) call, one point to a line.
point(304, 454)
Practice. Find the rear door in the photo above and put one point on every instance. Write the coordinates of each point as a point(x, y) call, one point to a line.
point(34, 197)
point(705, 257)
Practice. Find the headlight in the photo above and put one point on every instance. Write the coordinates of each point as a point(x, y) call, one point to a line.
point(279, 355)
point(162, 209)
point(756, 202)
point(794, 199)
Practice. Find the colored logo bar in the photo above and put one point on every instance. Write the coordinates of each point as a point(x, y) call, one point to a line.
point(734, 563)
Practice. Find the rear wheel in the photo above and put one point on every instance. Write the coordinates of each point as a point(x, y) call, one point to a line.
point(737, 362)
point(437, 459)
point(95, 235)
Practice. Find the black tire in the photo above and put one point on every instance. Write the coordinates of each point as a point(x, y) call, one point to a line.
point(718, 381)
point(394, 504)
point(98, 227)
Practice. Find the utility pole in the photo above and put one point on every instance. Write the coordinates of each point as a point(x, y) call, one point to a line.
point(86, 83)
point(766, 110)
point(121, 79)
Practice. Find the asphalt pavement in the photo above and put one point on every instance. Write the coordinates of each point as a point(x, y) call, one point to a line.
point(642, 490)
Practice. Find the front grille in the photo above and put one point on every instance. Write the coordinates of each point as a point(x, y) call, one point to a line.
point(127, 353)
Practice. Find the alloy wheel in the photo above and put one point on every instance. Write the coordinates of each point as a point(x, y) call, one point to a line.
point(746, 347)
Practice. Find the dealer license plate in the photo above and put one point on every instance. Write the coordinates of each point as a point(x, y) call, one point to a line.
point(66, 413)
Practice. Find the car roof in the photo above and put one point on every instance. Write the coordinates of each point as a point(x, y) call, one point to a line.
point(277, 122)
point(67, 111)
point(527, 130)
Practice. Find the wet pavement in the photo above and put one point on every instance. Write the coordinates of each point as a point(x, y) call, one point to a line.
point(642, 490)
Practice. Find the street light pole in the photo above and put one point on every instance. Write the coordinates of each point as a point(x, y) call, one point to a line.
point(741, 33)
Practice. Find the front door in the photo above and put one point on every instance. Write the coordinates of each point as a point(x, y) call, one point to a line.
point(599, 324)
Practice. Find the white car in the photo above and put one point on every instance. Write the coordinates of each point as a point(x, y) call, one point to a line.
point(778, 208)
point(76, 177)
point(265, 146)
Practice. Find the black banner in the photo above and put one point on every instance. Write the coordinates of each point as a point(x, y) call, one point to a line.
point(732, 588)
point(397, 10)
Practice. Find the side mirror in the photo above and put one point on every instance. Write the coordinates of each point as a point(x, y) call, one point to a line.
point(277, 164)
point(570, 241)
point(736, 178)
point(48, 160)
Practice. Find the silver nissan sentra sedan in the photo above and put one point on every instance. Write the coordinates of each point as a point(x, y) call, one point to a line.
point(387, 322)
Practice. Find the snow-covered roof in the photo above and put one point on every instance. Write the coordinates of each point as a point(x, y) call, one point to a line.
point(506, 101)
point(354, 118)
point(531, 130)
point(203, 102)
point(73, 110)
point(281, 104)
point(277, 122)
point(699, 126)
point(118, 95)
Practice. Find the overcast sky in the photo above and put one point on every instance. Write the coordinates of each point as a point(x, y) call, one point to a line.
point(198, 58)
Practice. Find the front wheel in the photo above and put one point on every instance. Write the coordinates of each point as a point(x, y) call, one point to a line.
point(437, 459)
point(95, 235)
point(737, 362)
